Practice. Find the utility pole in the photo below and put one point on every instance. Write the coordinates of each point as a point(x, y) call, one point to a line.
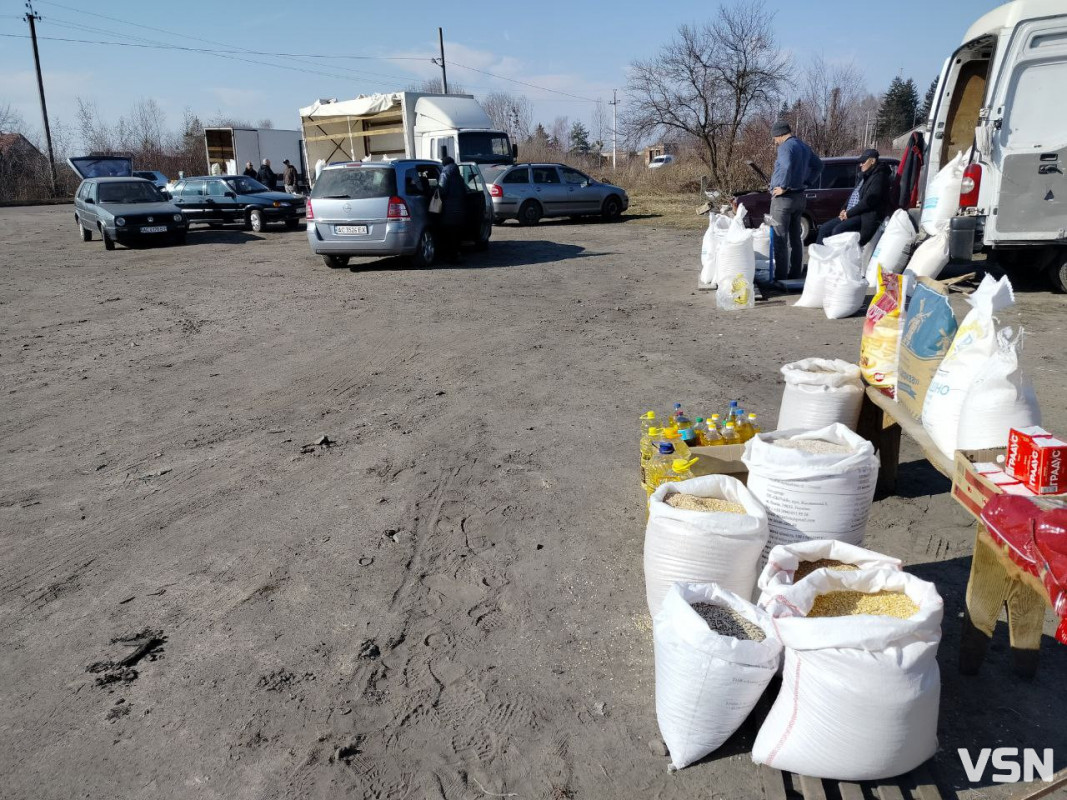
point(31, 17)
point(614, 123)
point(444, 74)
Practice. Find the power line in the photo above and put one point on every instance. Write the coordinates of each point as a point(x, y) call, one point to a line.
point(524, 83)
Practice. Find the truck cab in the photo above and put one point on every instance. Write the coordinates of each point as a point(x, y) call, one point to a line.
point(1002, 97)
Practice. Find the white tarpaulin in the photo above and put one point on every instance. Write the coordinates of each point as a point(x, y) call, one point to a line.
point(362, 106)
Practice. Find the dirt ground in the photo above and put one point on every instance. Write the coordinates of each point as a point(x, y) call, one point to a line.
point(447, 601)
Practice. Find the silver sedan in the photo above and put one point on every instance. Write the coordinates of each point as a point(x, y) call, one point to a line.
point(529, 192)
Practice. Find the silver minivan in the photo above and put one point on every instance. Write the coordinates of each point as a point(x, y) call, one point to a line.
point(381, 209)
point(528, 192)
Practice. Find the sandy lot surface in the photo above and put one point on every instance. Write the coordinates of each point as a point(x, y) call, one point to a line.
point(446, 602)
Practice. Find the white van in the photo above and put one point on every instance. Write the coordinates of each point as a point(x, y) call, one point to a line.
point(1004, 91)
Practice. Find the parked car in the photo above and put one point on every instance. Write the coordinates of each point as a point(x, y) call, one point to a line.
point(529, 192)
point(159, 180)
point(126, 210)
point(219, 199)
point(381, 209)
point(659, 162)
point(825, 201)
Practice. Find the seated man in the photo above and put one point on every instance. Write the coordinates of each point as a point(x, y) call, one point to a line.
point(866, 205)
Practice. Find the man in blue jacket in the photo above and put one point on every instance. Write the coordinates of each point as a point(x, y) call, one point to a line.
point(795, 169)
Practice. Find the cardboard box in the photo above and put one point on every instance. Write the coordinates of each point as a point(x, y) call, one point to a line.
point(723, 459)
point(1036, 458)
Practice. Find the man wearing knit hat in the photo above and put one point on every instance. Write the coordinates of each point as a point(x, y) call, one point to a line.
point(796, 168)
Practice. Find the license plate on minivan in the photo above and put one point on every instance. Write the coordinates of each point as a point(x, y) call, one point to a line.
point(350, 230)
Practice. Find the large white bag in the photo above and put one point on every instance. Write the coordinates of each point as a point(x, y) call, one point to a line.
point(860, 694)
point(975, 342)
point(868, 249)
point(706, 683)
point(761, 248)
point(942, 198)
point(718, 224)
point(841, 253)
point(783, 561)
point(893, 248)
point(843, 293)
point(736, 268)
point(930, 257)
point(847, 247)
point(812, 495)
point(1000, 398)
point(703, 546)
point(819, 392)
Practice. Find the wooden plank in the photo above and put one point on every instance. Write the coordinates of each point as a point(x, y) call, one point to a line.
point(850, 791)
point(925, 785)
point(1059, 781)
point(812, 788)
point(343, 135)
point(773, 783)
point(914, 429)
point(890, 791)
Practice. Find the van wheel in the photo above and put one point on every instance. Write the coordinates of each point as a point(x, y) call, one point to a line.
point(335, 262)
point(529, 213)
point(612, 209)
point(1057, 274)
point(256, 221)
point(87, 235)
point(109, 243)
point(426, 251)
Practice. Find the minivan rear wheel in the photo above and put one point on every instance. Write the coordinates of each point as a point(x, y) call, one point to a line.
point(335, 262)
point(484, 233)
point(426, 251)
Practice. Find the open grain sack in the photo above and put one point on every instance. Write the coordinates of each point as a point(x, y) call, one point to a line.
point(860, 682)
point(929, 327)
point(819, 392)
point(973, 345)
point(789, 563)
point(718, 224)
point(841, 252)
point(814, 484)
point(880, 343)
point(894, 247)
point(715, 655)
point(735, 270)
point(718, 543)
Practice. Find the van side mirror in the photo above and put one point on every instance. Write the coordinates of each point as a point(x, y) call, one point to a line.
point(232, 195)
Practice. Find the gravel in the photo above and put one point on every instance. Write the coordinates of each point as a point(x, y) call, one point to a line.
point(727, 622)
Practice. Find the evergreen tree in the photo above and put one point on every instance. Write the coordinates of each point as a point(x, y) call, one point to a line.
point(579, 138)
point(928, 101)
point(540, 135)
point(899, 110)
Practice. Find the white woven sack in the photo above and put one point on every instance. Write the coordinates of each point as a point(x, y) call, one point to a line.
point(930, 257)
point(706, 683)
point(819, 392)
point(847, 247)
point(784, 559)
point(893, 248)
point(819, 257)
point(843, 292)
point(974, 344)
point(703, 546)
point(860, 694)
point(736, 269)
point(942, 198)
point(868, 249)
point(717, 227)
point(812, 495)
point(1001, 398)
point(761, 247)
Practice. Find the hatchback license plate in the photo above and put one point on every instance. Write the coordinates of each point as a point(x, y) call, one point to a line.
point(350, 230)
point(154, 229)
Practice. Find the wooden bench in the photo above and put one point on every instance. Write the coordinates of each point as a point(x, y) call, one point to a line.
point(882, 420)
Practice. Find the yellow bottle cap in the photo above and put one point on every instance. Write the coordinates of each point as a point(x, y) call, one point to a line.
point(680, 465)
point(751, 416)
point(653, 431)
point(730, 425)
point(670, 433)
point(649, 415)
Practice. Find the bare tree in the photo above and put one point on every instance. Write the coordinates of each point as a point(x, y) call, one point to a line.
point(829, 107)
point(707, 83)
point(600, 126)
point(145, 127)
point(264, 123)
point(10, 120)
point(96, 135)
point(510, 112)
point(434, 86)
point(559, 134)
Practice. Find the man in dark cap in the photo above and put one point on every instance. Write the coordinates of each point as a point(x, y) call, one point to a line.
point(289, 177)
point(867, 205)
point(796, 168)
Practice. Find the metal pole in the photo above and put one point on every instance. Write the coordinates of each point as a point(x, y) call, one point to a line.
point(614, 123)
point(31, 15)
point(444, 75)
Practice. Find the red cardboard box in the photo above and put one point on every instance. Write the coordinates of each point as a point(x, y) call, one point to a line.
point(1036, 458)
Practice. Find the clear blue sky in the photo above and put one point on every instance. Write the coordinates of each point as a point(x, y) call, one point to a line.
point(580, 48)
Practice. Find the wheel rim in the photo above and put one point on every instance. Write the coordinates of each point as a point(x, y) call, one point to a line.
point(427, 248)
point(530, 214)
point(613, 208)
point(257, 222)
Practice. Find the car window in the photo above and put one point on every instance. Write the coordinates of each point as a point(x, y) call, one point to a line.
point(545, 175)
point(413, 182)
point(129, 192)
point(573, 176)
point(430, 174)
point(491, 172)
point(838, 176)
point(519, 175)
point(81, 191)
point(472, 177)
point(193, 189)
point(246, 185)
point(355, 183)
point(216, 188)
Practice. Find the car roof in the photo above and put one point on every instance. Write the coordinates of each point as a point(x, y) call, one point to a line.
point(379, 164)
point(119, 179)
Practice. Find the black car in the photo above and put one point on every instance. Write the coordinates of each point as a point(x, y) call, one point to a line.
point(218, 199)
point(126, 210)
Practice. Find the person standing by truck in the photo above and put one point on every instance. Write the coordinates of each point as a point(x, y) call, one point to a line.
point(289, 177)
point(250, 170)
point(453, 193)
point(266, 176)
point(796, 168)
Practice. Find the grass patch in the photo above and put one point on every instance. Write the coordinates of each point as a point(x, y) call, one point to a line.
point(668, 210)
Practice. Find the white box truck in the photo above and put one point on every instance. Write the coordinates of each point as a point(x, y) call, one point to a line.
point(1004, 91)
point(230, 148)
point(402, 125)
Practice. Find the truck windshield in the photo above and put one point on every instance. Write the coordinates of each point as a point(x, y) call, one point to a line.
point(355, 183)
point(484, 147)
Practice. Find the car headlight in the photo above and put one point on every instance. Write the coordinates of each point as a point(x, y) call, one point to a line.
point(120, 220)
point(177, 217)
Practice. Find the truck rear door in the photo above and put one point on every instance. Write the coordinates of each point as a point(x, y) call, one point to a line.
point(1029, 119)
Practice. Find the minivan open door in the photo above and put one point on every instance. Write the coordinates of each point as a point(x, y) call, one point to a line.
point(102, 166)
